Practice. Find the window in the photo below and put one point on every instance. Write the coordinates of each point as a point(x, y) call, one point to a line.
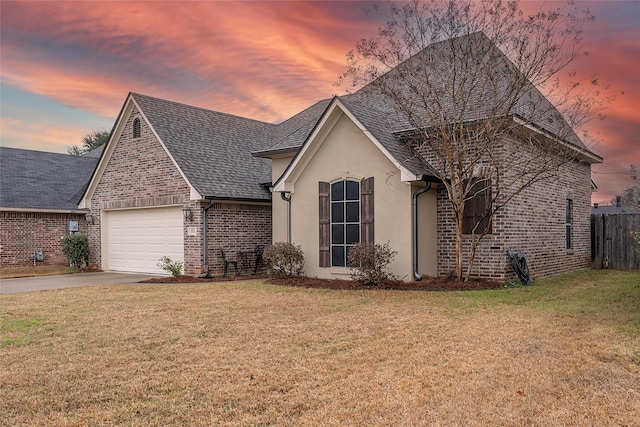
point(136, 128)
point(346, 218)
point(569, 222)
point(477, 208)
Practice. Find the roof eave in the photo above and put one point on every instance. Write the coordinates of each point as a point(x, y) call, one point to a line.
point(584, 154)
point(272, 153)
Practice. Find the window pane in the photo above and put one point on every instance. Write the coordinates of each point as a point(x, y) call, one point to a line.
point(353, 190)
point(568, 237)
point(337, 191)
point(569, 211)
point(337, 256)
point(353, 212)
point(337, 234)
point(353, 233)
point(337, 212)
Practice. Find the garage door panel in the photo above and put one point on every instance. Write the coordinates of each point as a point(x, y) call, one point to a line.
point(136, 239)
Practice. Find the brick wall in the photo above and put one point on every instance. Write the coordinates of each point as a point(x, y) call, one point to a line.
point(533, 221)
point(21, 232)
point(236, 227)
point(139, 174)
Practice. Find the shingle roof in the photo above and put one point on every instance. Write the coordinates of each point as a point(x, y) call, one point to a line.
point(39, 180)
point(375, 121)
point(213, 149)
point(492, 87)
point(292, 133)
point(377, 113)
point(614, 210)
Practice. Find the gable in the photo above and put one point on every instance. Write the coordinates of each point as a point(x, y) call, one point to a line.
point(335, 113)
point(129, 165)
point(212, 149)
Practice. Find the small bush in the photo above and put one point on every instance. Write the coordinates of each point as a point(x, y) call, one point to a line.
point(76, 248)
point(171, 266)
point(368, 263)
point(284, 259)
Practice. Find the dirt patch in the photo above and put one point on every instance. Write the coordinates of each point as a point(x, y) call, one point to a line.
point(189, 279)
point(41, 270)
point(426, 284)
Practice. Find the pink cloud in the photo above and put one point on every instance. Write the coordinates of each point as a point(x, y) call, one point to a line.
point(263, 60)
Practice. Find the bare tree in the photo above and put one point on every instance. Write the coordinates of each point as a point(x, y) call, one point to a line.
point(631, 195)
point(466, 82)
point(90, 142)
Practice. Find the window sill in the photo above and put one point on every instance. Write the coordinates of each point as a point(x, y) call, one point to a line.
point(340, 272)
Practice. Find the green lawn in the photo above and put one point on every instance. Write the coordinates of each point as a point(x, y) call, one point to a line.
point(565, 351)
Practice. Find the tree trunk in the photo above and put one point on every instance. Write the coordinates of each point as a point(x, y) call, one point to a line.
point(459, 247)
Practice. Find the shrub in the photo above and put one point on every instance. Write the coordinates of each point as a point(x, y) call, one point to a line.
point(76, 248)
point(368, 263)
point(635, 235)
point(284, 259)
point(171, 266)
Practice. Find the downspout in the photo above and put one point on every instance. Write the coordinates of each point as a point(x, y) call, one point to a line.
point(288, 200)
point(414, 224)
point(205, 225)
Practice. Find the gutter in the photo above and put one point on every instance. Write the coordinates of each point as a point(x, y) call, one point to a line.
point(288, 200)
point(44, 210)
point(205, 258)
point(414, 225)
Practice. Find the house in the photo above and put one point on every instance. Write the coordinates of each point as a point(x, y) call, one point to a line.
point(356, 179)
point(180, 181)
point(39, 195)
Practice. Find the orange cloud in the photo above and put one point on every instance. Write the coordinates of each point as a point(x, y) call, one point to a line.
point(265, 60)
point(40, 137)
point(230, 59)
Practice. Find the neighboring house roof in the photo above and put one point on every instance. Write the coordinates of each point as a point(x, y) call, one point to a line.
point(95, 153)
point(613, 210)
point(39, 180)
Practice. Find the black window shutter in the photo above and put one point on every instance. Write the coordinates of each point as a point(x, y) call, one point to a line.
point(325, 224)
point(366, 211)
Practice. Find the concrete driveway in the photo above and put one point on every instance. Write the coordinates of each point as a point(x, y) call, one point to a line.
point(42, 283)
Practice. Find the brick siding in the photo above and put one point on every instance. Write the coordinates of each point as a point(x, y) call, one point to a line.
point(139, 174)
point(534, 222)
point(22, 232)
point(236, 227)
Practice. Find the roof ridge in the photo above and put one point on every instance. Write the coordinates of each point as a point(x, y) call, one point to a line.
point(208, 110)
point(40, 152)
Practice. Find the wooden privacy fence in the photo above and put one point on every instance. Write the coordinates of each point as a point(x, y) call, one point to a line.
point(612, 243)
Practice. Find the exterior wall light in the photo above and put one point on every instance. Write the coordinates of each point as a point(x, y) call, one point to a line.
point(187, 214)
point(89, 218)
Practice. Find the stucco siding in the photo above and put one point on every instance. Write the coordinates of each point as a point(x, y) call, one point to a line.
point(280, 225)
point(343, 151)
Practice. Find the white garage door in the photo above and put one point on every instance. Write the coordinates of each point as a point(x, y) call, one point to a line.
point(135, 240)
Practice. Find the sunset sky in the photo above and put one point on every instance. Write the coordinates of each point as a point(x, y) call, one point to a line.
point(67, 66)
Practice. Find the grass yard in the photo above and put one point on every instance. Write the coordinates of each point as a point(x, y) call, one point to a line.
point(40, 270)
point(565, 351)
